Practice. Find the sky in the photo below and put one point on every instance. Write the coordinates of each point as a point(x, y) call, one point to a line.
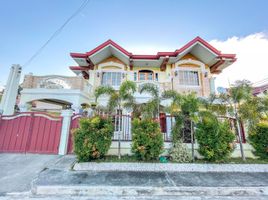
point(140, 26)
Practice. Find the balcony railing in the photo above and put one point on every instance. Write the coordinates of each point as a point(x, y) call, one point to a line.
point(57, 82)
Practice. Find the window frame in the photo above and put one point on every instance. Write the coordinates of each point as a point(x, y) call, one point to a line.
point(113, 78)
point(146, 73)
point(186, 76)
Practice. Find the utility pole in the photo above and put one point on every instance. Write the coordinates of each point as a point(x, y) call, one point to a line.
point(11, 91)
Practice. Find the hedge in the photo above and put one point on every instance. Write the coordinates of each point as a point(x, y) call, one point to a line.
point(215, 138)
point(258, 138)
point(147, 139)
point(93, 139)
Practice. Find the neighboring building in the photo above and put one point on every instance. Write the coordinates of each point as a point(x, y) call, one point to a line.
point(260, 90)
point(188, 69)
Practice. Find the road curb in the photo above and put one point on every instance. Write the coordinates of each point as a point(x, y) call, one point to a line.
point(170, 167)
point(148, 191)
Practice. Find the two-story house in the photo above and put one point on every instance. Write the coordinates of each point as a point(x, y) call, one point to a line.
point(188, 69)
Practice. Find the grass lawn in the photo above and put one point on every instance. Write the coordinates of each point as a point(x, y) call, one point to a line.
point(128, 158)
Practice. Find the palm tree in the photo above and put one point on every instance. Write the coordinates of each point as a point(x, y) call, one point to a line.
point(152, 108)
point(184, 108)
point(239, 93)
point(117, 100)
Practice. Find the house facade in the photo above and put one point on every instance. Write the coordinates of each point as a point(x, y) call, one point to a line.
point(190, 68)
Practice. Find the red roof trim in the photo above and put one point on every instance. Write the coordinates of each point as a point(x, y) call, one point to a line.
point(228, 56)
point(154, 57)
point(108, 42)
point(78, 55)
point(158, 55)
point(78, 68)
point(198, 39)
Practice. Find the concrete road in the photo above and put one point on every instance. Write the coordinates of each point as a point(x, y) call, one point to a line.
point(129, 198)
point(18, 170)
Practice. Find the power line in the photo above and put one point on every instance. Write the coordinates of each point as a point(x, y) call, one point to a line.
point(83, 5)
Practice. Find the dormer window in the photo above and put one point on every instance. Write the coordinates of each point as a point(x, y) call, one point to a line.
point(146, 75)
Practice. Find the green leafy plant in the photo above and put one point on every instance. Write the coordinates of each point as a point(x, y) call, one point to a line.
point(93, 139)
point(258, 138)
point(179, 152)
point(147, 139)
point(215, 138)
point(150, 109)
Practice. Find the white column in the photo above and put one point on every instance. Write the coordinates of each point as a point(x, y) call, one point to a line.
point(65, 129)
point(212, 85)
point(11, 91)
point(169, 124)
point(76, 109)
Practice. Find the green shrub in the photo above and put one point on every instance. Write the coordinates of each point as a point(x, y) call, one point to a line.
point(93, 139)
point(259, 140)
point(147, 139)
point(179, 152)
point(215, 138)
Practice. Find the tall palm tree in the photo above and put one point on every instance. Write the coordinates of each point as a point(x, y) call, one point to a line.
point(184, 108)
point(152, 108)
point(239, 93)
point(118, 99)
point(124, 98)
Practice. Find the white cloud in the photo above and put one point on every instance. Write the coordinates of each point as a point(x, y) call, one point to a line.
point(252, 58)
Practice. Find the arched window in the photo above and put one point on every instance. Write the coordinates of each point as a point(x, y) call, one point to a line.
point(146, 75)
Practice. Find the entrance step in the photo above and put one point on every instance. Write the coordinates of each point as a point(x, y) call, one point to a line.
point(66, 182)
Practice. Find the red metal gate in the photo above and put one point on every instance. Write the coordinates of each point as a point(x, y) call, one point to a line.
point(30, 132)
point(74, 124)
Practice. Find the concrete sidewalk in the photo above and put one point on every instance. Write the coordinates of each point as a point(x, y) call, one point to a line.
point(65, 182)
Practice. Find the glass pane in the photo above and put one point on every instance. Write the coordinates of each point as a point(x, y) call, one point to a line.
point(142, 76)
point(150, 76)
point(118, 80)
point(113, 78)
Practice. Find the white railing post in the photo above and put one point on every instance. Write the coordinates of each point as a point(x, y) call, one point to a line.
point(65, 129)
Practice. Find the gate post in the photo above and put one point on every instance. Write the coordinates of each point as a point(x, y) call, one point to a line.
point(65, 129)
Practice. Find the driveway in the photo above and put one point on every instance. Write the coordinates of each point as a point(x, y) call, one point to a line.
point(18, 170)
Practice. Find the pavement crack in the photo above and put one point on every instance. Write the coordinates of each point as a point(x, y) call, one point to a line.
point(170, 181)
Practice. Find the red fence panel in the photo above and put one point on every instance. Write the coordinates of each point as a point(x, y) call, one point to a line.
point(30, 132)
point(14, 131)
point(45, 135)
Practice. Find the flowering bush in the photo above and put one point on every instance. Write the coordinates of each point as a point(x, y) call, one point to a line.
point(147, 139)
point(93, 139)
